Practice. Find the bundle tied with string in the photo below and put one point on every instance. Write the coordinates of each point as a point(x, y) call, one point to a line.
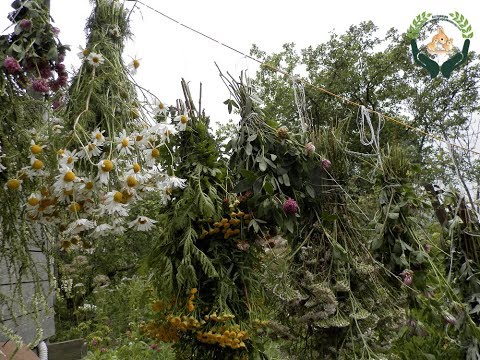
point(370, 136)
point(299, 96)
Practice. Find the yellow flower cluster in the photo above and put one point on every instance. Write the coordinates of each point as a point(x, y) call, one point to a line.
point(225, 337)
point(184, 323)
point(228, 227)
point(190, 304)
point(221, 318)
point(161, 332)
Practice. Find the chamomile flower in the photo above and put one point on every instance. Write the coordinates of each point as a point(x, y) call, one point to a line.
point(124, 143)
point(64, 180)
point(95, 59)
point(151, 155)
point(84, 52)
point(33, 201)
point(113, 204)
point(104, 168)
point(175, 182)
point(90, 150)
point(97, 136)
point(182, 121)
point(13, 184)
point(80, 225)
point(36, 149)
point(159, 107)
point(134, 65)
point(140, 139)
point(167, 131)
point(67, 158)
point(142, 223)
point(102, 230)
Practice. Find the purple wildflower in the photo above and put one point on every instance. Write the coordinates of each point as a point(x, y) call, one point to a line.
point(290, 206)
point(309, 148)
point(40, 85)
point(11, 65)
point(407, 276)
point(26, 24)
point(326, 164)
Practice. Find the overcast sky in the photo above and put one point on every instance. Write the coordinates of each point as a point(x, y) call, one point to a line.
point(169, 52)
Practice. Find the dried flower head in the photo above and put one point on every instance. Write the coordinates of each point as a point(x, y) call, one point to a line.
point(11, 65)
point(290, 206)
point(309, 148)
point(282, 132)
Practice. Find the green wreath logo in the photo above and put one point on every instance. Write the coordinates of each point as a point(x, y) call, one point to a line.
point(440, 44)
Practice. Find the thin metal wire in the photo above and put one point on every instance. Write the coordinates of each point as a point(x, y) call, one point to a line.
point(316, 87)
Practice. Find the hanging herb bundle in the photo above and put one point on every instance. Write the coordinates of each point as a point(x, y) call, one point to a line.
point(438, 301)
point(334, 296)
point(31, 71)
point(205, 261)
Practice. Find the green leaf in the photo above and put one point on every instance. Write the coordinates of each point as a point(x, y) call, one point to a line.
point(252, 137)
point(286, 179)
point(248, 149)
point(268, 187)
point(270, 163)
point(207, 265)
point(393, 216)
point(377, 242)
point(247, 174)
point(243, 185)
point(254, 224)
point(257, 185)
point(310, 191)
point(52, 53)
point(262, 165)
point(273, 157)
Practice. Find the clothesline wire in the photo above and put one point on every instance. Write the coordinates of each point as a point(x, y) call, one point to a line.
point(313, 86)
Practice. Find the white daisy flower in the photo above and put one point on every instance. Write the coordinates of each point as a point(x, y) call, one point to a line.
point(36, 169)
point(159, 108)
point(140, 139)
point(102, 230)
point(124, 143)
point(167, 131)
point(104, 168)
point(95, 59)
point(175, 182)
point(90, 150)
point(113, 204)
point(134, 65)
point(67, 158)
point(151, 156)
point(97, 136)
point(166, 195)
point(36, 149)
point(182, 121)
point(142, 223)
point(13, 184)
point(84, 52)
point(80, 225)
point(33, 201)
point(64, 180)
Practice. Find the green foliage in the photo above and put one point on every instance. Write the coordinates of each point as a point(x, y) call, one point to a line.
point(103, 97)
